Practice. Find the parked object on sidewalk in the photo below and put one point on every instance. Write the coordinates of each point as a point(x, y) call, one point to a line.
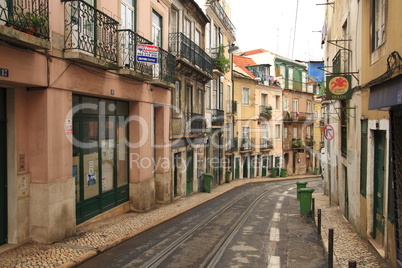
point(305, 201)
point(300, 185)
point(315, 172)
point(228, 175)
point(207, 182)
point(274, 172)
point(283, 172)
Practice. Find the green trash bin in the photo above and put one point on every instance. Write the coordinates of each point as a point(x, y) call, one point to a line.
point(300, 185)
point(207, 182)
point(283, 172)
point(315, 172)
point(305, 201)
point(274, 172)
point(228, 175)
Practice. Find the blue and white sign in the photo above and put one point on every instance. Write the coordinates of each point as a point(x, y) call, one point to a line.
point(147, 53)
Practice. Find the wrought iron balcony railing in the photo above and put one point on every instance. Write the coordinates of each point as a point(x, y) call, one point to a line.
point(266, 144)
point(90, 30)
point(222, 16)
point(181, 46)
point(247, 144)
point(128, 41)
point(196, 123)
point(218, 117)
point(266, 111)
point(164, 70)
point(29, 16)
point(231, 107)
point(233, 145)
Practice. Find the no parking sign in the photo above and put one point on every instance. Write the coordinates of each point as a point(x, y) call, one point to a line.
point(329, 132)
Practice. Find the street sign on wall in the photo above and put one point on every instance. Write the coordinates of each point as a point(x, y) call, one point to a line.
point(339, 87)
point(329, 132)
point(147, 53)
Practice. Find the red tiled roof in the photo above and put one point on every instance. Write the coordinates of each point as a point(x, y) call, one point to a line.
point(255, 51)
point(242, 62)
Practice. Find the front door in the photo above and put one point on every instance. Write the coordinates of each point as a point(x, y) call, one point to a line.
point(264, 166)
point(245, 167)
point(190, 172)
point(237, 168)
point(252, 166)
point(3, 168)
point(379, 170)
point(176, 173)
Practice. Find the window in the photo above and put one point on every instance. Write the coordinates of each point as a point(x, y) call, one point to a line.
point(277, 131)
point(285, 132)
point(295, 133)
point(197, 39)
point(378, 33)
point(200, 102)
point(304, 81)
point(290, 78)
point(246, 133)
point(277, 161)
point(176, 98)
point(208, 95)
point(308, 132)
point(264, 99)
point(277, 102)
point(187, 27)
point(214, 93)
point(270, 162)
point(208, 37)
point(245, 95)
point(283, 70)
point(264, 135)
point(127, 14)
point(174, 20)
point(156, 29)
point(295, 105)
point(220, 102)
point(309, 107)
point(286, 104)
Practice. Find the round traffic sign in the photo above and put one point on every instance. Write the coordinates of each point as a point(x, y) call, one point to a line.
point(329, 132)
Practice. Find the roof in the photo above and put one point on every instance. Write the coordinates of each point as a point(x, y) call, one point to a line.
point(242, 62)
point(255, 51)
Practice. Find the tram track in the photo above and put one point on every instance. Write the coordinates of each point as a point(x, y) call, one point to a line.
point(214, 256)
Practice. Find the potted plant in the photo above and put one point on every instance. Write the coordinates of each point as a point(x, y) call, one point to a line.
point(221, 62)
point(27, 22)
point(266, 112)
point(297, 143)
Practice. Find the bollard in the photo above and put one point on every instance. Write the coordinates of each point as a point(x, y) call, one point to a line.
point(331, 248)
point(313, 207)
point(319, 222)
point(352, 264)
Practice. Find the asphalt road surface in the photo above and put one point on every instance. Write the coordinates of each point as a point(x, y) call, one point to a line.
point(256, 225)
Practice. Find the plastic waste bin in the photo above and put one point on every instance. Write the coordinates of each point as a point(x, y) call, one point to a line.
point(207, 182)
point(228, 175)
point(283, 172)
point(274, 172)
point(315, 172)
point(305, 201)
point(300, 185)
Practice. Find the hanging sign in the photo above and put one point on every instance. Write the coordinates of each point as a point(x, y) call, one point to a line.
point(147, 53)
point(339, 87)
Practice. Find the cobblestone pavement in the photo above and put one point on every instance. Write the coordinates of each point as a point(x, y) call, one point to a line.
point(91, 239)
point(348, 245)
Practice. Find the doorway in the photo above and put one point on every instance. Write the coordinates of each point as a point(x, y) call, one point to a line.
point(3, 168)
point(379, 173)
point(190, 172)
point(176, 164)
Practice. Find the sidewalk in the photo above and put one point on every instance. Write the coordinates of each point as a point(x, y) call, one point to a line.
point(348, 245)
point(91, 239)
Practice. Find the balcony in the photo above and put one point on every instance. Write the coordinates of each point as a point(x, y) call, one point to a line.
point(25, 23)
point(90, 36)
point(231, 107)
point(220, 12)
point(297, 143)
point(265, 112)
point(310, 142)
point(195, 123)
point(191, 56)
point(218, 117)
point(233, 145)
point(266, 144)
point(164, 71)
point(129, 66)
point(247, 145)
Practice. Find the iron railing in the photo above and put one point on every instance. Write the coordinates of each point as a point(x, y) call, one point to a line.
point(128, 41)
point(247, 144)
point(223, 17)
point(181, 46)
point(233, 145)
point(196, 123)
point(218, 117)
point(164, 70)
point(90, 30)
point(29, 16)
point(266, 143)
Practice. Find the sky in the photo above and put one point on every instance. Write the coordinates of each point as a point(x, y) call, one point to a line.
point(270, 24)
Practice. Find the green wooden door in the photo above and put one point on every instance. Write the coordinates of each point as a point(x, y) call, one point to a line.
point(245, 167)
point(190, 172)
point(252, 166)
point(264, 166)
point(379, 168)
point(237, 168)
point(3, 169)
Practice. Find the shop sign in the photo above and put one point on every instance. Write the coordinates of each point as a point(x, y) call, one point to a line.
point(339, 87)
point(147, 53)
